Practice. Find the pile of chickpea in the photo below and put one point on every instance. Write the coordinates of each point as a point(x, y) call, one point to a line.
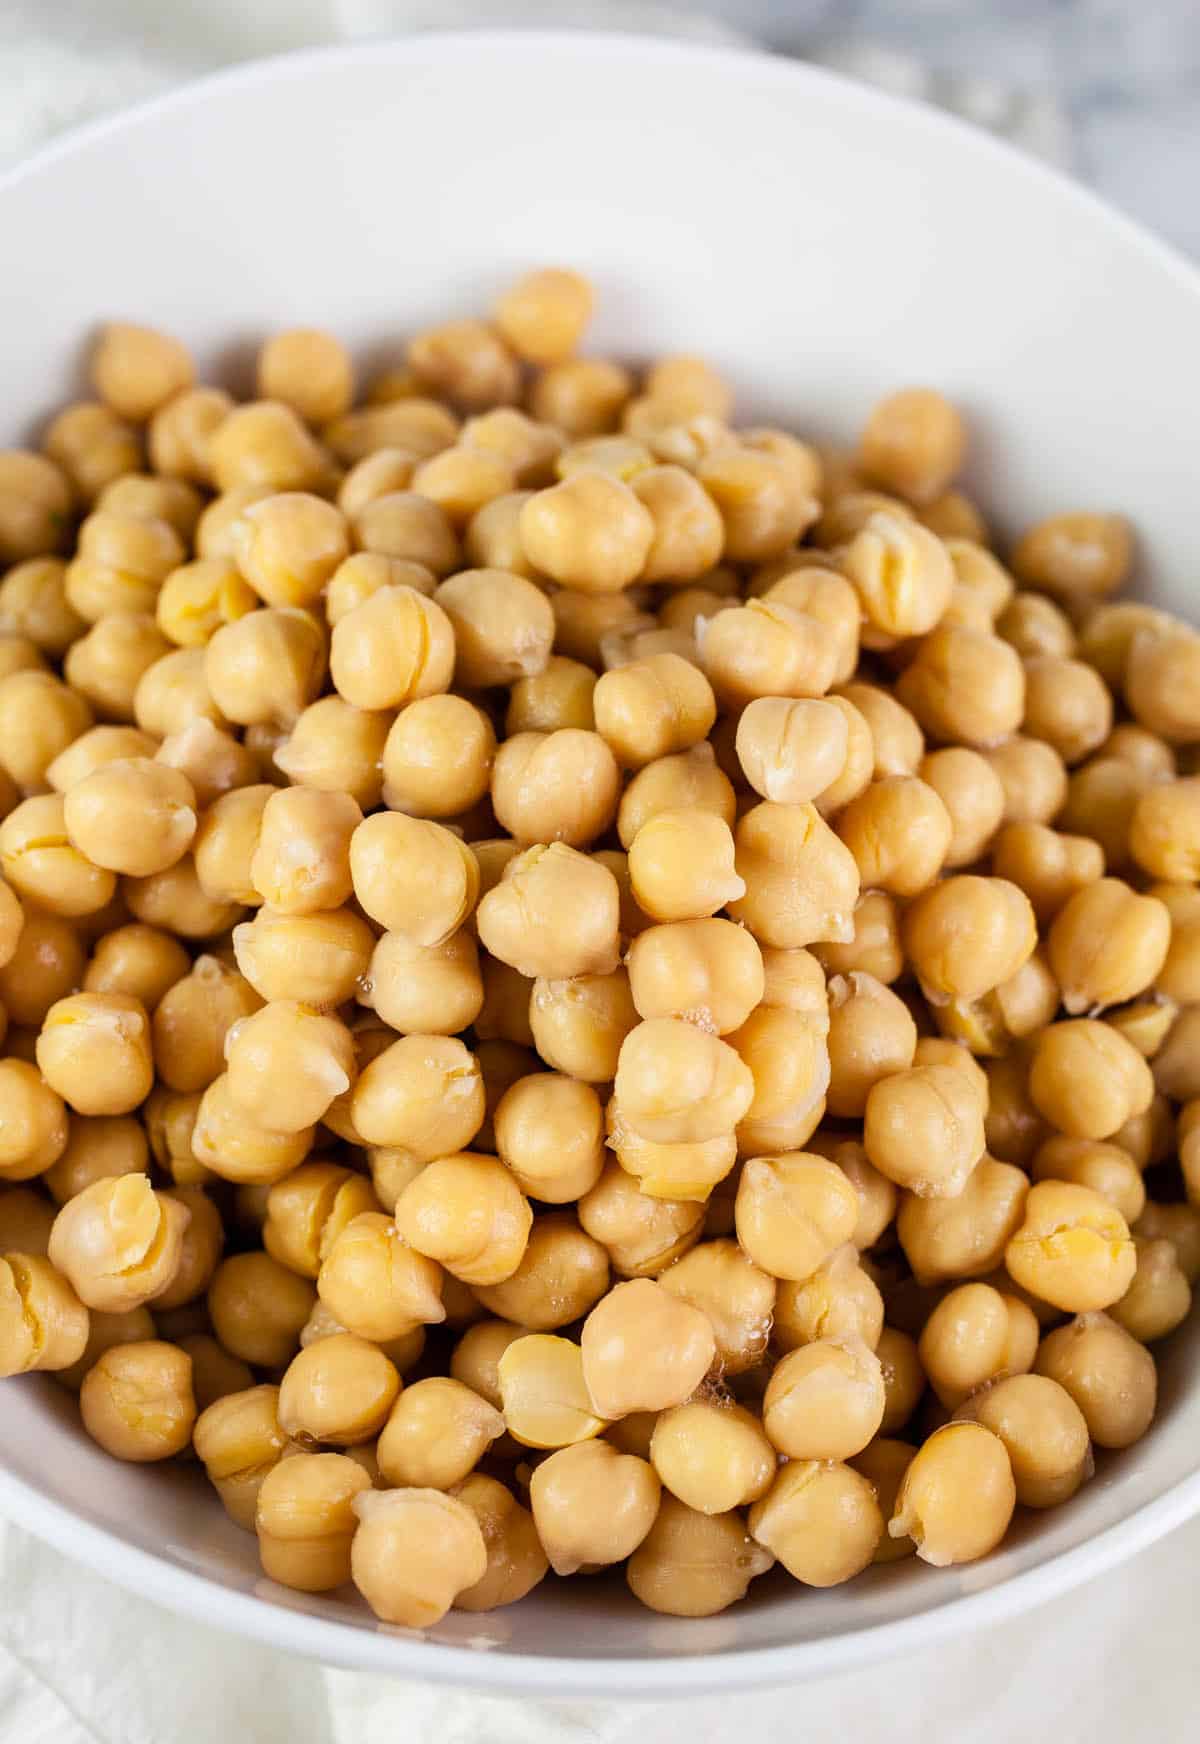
point(583, 986)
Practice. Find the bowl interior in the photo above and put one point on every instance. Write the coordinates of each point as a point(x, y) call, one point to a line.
point(822, 243)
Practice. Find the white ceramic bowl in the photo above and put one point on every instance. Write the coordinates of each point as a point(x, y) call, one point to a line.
point(822, 243)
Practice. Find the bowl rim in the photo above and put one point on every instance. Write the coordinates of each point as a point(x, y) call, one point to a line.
point(404, 1653)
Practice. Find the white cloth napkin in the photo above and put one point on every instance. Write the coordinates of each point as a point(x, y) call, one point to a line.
point(82, 1665)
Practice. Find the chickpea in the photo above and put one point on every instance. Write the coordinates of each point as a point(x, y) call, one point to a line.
point(972, 794)
point(736, 1295)
point(119, 1243)
point(583, 396)
point(94, 1050)
point(1033, 776)
point(902, 573)
point(824, 1400)
point(1107, 944)
point(681, 865)
point(39, 718)
point(239, 1441)
point(549, 1132)
point(35, 506)
point(305, 1519)
point(265, 667)
point(924, 1128)
point(334, 747)
point(644, 1349)
point(677, 1085)
point(801, 880)
point(1073, 1248)
point(792, 751)
point(136, 370)
point(516, 1560)
point(693, 1565)
point(308, 370)
point(966, 685)
point(437, 757)
point(1159, 1297)
point(1034, 626)
point(42, 865)
point(671, 1171)
point(26, 1220)
point(1081, 553)
point(285, 1064)
point(134, 816)
point(339, 1390)
point(787, 1054)
point(467, 1212)
point(422, 1094)
point(579, 1024)
point(821, 1519)
point(903, 1377)
point(375, 1284)
point(1068, 705)
point(1143, 750)
point(308, 1209)
point(46, 963)
point(192, 1020)
point(838, 1301)
point(524, 920)
point(43, 1323)
point(235, 1147)
point(33, 603)
point(426, 989)
point(871, 1035)
point(593, 1505)
point(1164, 830)
point(1110, 1376)
point(211, 758)
point(956, 1499)
point(555, 787)
point(642, 1235)
point(708, 972)
point(203, 1242)
point(1086, 1080)
point(528, 448)
point(1178, 1224)
point(544, 1398)
point(97, 1147)
point(1050, 867)
point(34, 1131)
point(137, 1402)
point(963, 1237)
point(108, 664)
point(93, 446)
point(762, 501)
point(258, 1308)
point(653, 708)
point(766, 648)
point(1162, 683)
point(792, 1211)
point(913, 444)
point(556, 698)
point(414, 1551)
point(563, 1273)
point(968, 935)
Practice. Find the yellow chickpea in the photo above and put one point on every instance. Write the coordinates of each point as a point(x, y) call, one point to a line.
point(578, 1024)
point(523, 920)
point(948, 1239)
point(1033, 776)
point(555, 787)
point(308, 370)
point(899, 834)
point(957, 1496)
point(1110, 1376)
point(1162, 683)
point(913, 444)
point(1034, 626)
point(1107, 944)
point(1073, 1249)
point(965, 685)
point(967, 935)
point(1081, 553)
point(924, 1128)
point(1087, 1080)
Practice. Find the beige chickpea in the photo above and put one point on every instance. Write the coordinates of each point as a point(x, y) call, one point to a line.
point(375, 1284)
point(736, 1295)
point(692, 1564)
point(644, 1349)
point(948, 1239)
point(203, 1243)
point(339, 1390)
point(414, 1552)
point(1033, 776)
point(288, 547)
point(592, 1505)
point(825, 1399)
point(543, 316)
point(1101, 801)
point(180, 429)
point(462, 480)
point(677, 1085)
point(956, 1499)
point(307, 1211)
point(437, 757)
point(231, 1145)
point(412, 876)
point(394, 648)
point(972, 794)
point(426, 989)
point(877, 1196)
point(899, 834)
point(95, 748)
point(1105, 1168)
point(43, 866)
point(1179, 977)
point(1110, 1376)
point(47, 962)
point(264, 443)
point(652, 709)
point(590, 532)
point(530, 449)
point(301, 860)
point(688, 531)
point(98, 1146)
point(787, 1055)
point(119, 1242)
point(766, 648)
point(365, 573)
point(1107, 944)
point(19, 654)
point(1178, 1224)
point(1068, 705)
point(549, 1132)
point(708, 972)
point(1087, 1080)
point(901, 572)
point(136, 370)
point(555, 787)
point(215, 1374)
point(562, 1275)
point(1175, 1067)
point(761, 500)
point(507, 995)
point(414, 422)
point(422, 1094)
point(285, 1064)
point(212, 759)
point(137, 1402)
point(642, 1235)
point(94, 1050)
point(39, 718)
point(467, 1212)
point(1135, 745)
point(120, 563)
point(171, 500)
point(883, 1464)
point(1164, 830)
point(967, 1341)
point(305, 1520)
point(93, 446)
point(35, 506)
point(1034, 626)
point(585, 621)
point(135, 816)
point(820, 593)
point(913, 444)
point(1162, 682)
point(516, 1561)
point(524, 920)
point(871, 1035)
point(43, 1323)
point(965, 685)
point(34, 1131)
point(681, 866)
point(1044, 1434)
point(192, 1019)
point(334, 747)
point(1080, 553)
point(903, 1377)
point(967, 935)
point(502, 627)
point(1049, 866)
point(1159, 1297)
point(308, 370)
point(465, 362)
point(475, 1358)
point(801, 880)
point(821, 1519)
point(412, 531)
point(1108, 633)
point(265, 667)
point(898, 742)
point(1073, 1248)
point(689, 780)
point(687, 1170)
point(258, 1308)
point(437, 1432)
point(792, 1211)
point(583, 396)
point(108, 664)
point(1014, 1126)
point(544, 1398)
point(33, 603)
point(924, 1128)
point(873, 946)
point(839, 1300)
point(558, 697)
point(792, 750)
point(579, 1024)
